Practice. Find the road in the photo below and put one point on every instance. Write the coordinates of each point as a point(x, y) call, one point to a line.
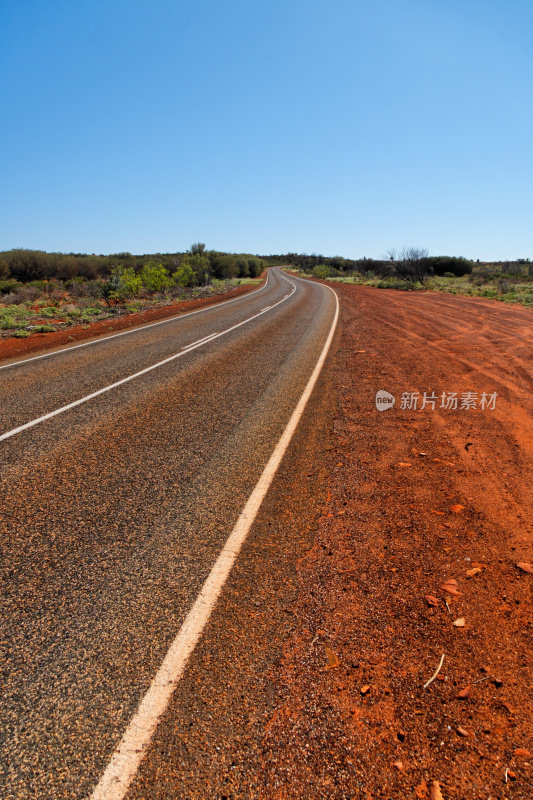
point(125, 466)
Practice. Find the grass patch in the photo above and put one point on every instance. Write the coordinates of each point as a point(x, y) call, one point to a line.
point(494, 286)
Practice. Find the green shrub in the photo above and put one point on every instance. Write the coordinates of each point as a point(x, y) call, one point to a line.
point(154, 277)
point(184, 276)
point(13, 317)
point(122, 284)
point(321, 271)
point(8, 286)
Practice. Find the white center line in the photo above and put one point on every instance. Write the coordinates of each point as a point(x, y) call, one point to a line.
point(201, 341)
point(91, 396)
point(125, 761)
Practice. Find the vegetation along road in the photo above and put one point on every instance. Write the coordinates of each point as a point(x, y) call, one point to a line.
point(125, 467)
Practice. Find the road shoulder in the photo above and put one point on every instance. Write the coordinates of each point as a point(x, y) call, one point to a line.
point(415, 501)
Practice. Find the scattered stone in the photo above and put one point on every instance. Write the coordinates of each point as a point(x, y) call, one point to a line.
point(333, 660)
point(451, 587)
point(421, 790)
point(474, 571)
point(436, 793)
point(459, 623)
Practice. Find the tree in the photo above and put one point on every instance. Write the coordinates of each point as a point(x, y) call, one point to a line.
point(410, 264)
point(224, 265)
point(456, 265)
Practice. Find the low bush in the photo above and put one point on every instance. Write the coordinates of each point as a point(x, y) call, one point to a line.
point(154, 277)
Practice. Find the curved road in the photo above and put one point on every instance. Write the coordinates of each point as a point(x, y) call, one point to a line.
point(125, 465)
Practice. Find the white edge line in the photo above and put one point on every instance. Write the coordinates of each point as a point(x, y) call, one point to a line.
point(127, 757)
point(182, 352)
point(136, 329)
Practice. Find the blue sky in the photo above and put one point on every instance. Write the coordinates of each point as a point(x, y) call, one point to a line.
point(340, 127)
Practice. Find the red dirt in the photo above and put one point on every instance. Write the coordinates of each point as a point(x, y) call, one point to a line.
point(13, 347)
point(416, 499)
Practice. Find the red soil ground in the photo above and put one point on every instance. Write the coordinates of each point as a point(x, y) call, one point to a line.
point(13, 347)
point(417, 499)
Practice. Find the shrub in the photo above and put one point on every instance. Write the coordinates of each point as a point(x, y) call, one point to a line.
point(224, 266)
point(8, 286)
point(122, 284)
point(26, 294)
point(321, 271)
point(154, 277)
point(446, 265)
point(184, 276)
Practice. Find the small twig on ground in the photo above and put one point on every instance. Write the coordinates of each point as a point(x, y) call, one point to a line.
point(436, 673)
point(480, 680)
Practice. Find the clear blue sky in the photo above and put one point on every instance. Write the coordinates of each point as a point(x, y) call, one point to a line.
point(343, 127)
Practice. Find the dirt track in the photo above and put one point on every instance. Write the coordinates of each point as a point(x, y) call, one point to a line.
point(416, 498)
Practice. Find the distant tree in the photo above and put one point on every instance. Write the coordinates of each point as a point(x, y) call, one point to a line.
point(255, 266)
point(198, 248)
point(440, 265)
point(224, 265)
point(28, 265)
point(410, 264)
point(244, 267)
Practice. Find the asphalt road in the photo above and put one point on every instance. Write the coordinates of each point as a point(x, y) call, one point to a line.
point(113, 512)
